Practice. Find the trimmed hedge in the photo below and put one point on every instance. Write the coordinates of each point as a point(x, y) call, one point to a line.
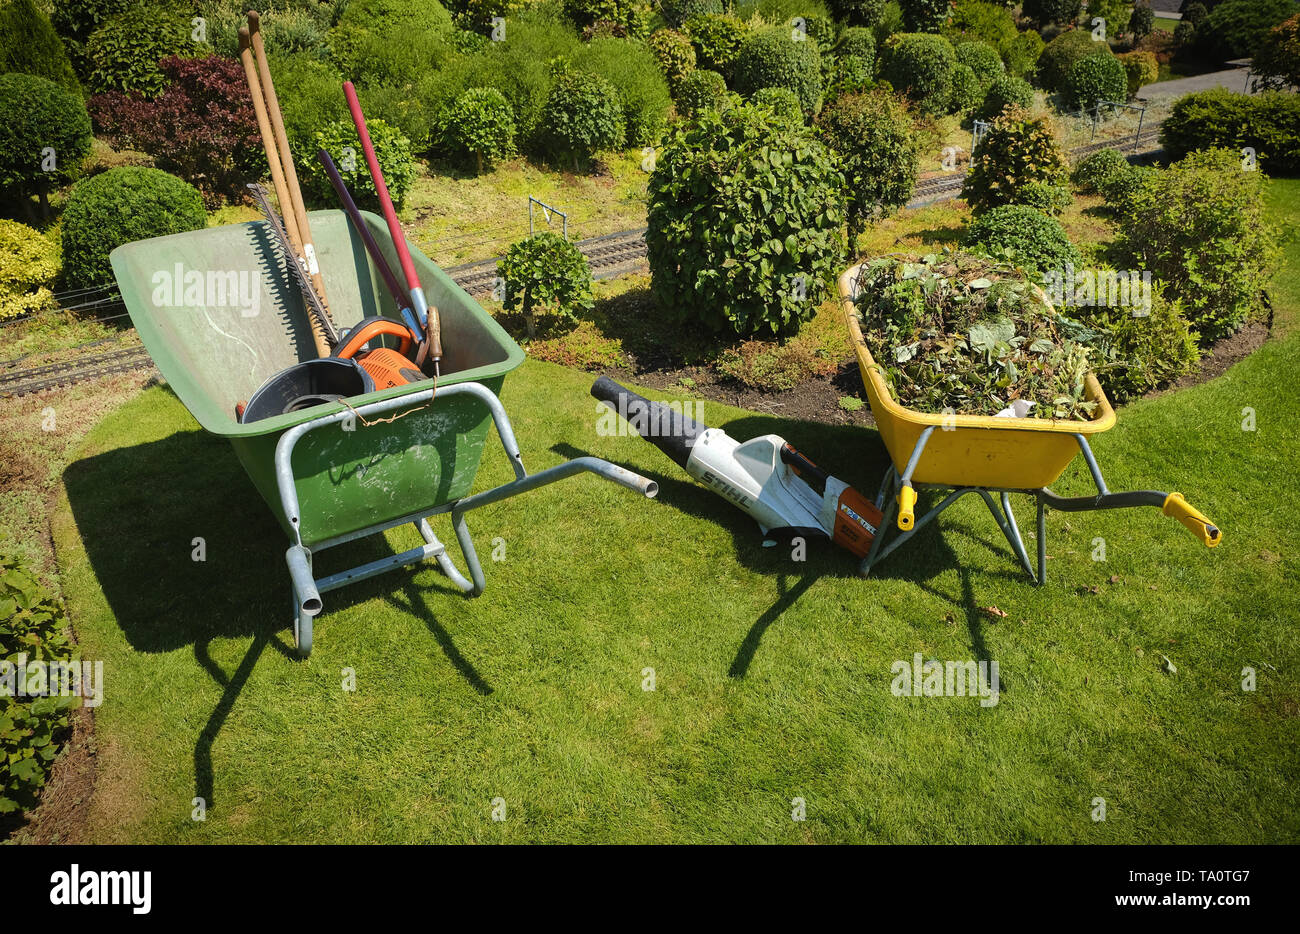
point(483, 125)
point(674, 53)
point(920, 65)
point(392, 150)
point(876, 139)
point(583, 114)
point(699, 91)
point(124, 52)
point(630, 66)
point(1094, 79)
point(981, 58)
point(1140, 68)
point(39, 116)
point(546, 275)
point(967, 90)
point(29, 44)
point(1060, 55)
point(1097, 171)
point(716, 40)
point(1269, 123)
point(1238, 28)
point(1005, 91)
point(122, 206)
point(770, 58)
point(1025, 236)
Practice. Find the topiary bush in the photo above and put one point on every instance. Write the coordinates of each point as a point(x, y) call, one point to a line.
point(1061, 53)
point(1140, 69)
point(1025, 236)
point(924, 15)
point(981, 58)
point(1140, 352)
point(630, 66)
point(1005, 91)
point(583, 114)
point(1097, 171)
point(674, 53)
point(1277, 58)
point(29, 265)
point(44, 135)
point(1185, 34)
point(546, 275)
point(858, 12)
point(1022, 53)
point(125, 51)
point(1094, 79)
point(202, 127)
point(877, 142)
point(1141, 22)
point(1238, 28)
point(396, 16)
point(482, 125)
point(781, 101)
point(29, 44)
point(743, 229)
point(967, 90)
point(770, 58)
point(1046, 12)
point(1269, 123)
point(716, 39)
point(857, 41)
point(974, 20)
point(677, 12)
point(920, 65)
point(122, 206)
point(1199, 227)
point(699, 91)
point(1017, 161)
point(392, 150)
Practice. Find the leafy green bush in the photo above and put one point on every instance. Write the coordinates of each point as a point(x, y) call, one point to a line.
point(1185, 34)
point(1045, 12)
point(394, 59)
point(1140, 69)
point(1097, 171)
point(770, 58)
point(859, 41)
point(122, 206)
point(699, 91)
point(924, 15)
point(1199, 227)
point(483, 125)
point(1096, 78)
point(1116, 13)
point(1141, 22)
point(716, 40)
point(1269, 123)
point(1120, 189)
point(1005, 91)
point(632, 15)
point(890, 22)
point(125, 51)
point(1277, 58)
point(1017, 161)
point(674, 53)
point(1061, 53)
point(965, 333)
point(29, 44)
point(29, 264)
point(850, 74)
point(1025, 236)
point(781, 101)
point(743, 228)
point(390, 17)
point(630, 66)
point(1238, 28)
point(32, 728)
point(974, 20)
point(284, 31)
point(1194, 12)
point(546, 275)
point(1140, 352)
point(920, 65)
point(967, 91)
point(1022, 54)
point(877, 142)
point(583, 114)
point(392, 150)
point(41, 121)
point(310, 97)
point(75, 20)
point(981, 58)
point(858, 12)
point(677, 12)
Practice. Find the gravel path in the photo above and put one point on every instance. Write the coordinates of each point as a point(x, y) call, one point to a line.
point(1234, 79)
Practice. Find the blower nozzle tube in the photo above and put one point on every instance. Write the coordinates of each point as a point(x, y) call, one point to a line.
point(662, 425)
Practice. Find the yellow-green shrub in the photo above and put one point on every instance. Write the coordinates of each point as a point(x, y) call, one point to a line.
point(29, 264)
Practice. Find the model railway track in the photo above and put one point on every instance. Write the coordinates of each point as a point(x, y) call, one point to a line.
point(15, 382)
point(607, 255)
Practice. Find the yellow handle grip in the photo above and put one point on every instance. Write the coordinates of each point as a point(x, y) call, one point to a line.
point(906, 508)
point(1185, 513)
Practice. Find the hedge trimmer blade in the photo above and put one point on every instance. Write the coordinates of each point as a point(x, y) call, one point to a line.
point(314, 304)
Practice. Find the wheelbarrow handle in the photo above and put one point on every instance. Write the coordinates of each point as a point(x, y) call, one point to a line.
point(1184, 512)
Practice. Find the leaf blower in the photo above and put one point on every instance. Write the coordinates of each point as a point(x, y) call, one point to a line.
point(781, 489)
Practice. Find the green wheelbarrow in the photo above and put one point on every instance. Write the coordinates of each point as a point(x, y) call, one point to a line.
point(219, 313)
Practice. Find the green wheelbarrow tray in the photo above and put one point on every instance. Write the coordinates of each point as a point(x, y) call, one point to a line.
point(219, 313)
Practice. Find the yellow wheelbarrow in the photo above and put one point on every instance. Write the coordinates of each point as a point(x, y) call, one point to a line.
point(985, 455)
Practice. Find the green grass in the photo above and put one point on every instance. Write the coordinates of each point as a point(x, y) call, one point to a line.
point(1165, 23)
point(772, 675)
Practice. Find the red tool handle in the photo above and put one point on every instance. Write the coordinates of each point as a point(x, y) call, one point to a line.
point(385, 202)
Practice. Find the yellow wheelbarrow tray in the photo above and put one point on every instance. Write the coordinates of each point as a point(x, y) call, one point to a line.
point(984, 454)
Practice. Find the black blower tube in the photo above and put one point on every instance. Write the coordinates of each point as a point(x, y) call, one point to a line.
point(664, 427)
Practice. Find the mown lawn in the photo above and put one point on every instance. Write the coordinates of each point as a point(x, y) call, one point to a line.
point(772, 676)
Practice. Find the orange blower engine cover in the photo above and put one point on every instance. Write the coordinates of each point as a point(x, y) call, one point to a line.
point(857, 521)
point(388, 368)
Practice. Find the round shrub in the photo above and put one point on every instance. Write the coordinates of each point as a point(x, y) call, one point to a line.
point(1194, 12)
point(920, 65)
point(40, 116)
point(397, 16)
point(122, 206)
point(1099, 170)
point(1237, 28)
point(1116, 14)
point(674, 53)
point(1017, 159)
point(1269, 123)
point(743, 228)
point(582, 115)
point(632, 15)
point(1095, 79)
point(716, 40)
point(1141, 22)
point(770, 58)
point(1140, 69)
point(124, 52)
point(1061, 53)
point(1044, 12)
point(630, 66)
point(1185, 34)
point(967, 92)
point(1005, 91)
point(29, 44)
point(1120, 189)
point(1025, 236)
point(1199, 227)
point(699, 91)
point(29, 264)
point(1142, 352)
point(858, 41)
point(482, 124)
point(981, 58)
point(1022, 54)
point(859, 12)
point(876, 140)
point(975, 20)
point(924, 15)
point(677, 12)
point(392, 150)
point(546, 275)
point(781, 101)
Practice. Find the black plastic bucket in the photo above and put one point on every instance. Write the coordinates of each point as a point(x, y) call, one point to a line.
point(303, 385)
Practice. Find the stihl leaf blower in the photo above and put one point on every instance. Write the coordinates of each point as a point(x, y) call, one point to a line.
point(786, 494)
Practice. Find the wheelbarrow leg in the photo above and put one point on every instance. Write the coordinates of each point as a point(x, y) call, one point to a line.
point(1011, 530)
point(883, 498)
point(1042, 542)
point(306, 598)
point(445, 563)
